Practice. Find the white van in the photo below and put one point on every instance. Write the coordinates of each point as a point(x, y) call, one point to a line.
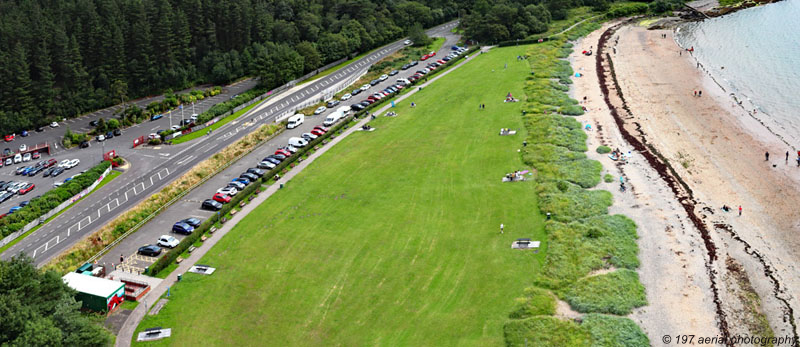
point(332, 118)
point(403, 81)
point(345, 110)
point(297, 142)
point(295, 121)
point(17, 158)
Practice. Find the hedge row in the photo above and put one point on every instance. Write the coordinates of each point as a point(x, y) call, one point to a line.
point(40, 205)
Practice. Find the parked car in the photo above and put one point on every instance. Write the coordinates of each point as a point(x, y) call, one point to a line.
point(26, 189)
point(280, 157)
point(48, 171)
point(297, 142)
point(320, 109)
point(5, 196)
point(357, 107)
point(168, 241)
point(54, 125)
point(117, 132)
point(51, 162)
point(149, 250)
point(110, 135)
point(23, 147)
point(273, 160)
point(14, 209)
point(249, 176)
point(221, 198)
point(363, 88)
point(9, 161)
point(383, 77)
point(211, 205)
point(332, 103)
point(244, 181)
point(84, 144)
point(193, 222)
point(266, 165)
point(236, 184)
point(374, 82)
point(100, 138)
point(290, 148)
point(393, 72)
point(355, 92)
point(9, 138)
point(346, 97)
point(26, 157)
point(24, 133)
point(36, 155)
point(231, 191)
point(256, 171)
point(175, 127)
point(308, 136)
point(283, 151)
point(73, 163)
point(182, 228)
point(316, 132)
point(407, 42)
point(57, 171)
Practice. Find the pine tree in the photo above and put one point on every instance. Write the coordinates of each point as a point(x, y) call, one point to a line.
point(19, 71)
point(44, 79)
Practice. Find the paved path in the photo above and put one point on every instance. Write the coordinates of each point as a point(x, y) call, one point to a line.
point(126, 333)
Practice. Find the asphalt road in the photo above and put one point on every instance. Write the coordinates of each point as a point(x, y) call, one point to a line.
point(153, 167)
point(189, 205)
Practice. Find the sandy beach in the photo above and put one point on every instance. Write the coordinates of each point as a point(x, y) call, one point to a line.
point(718, 150)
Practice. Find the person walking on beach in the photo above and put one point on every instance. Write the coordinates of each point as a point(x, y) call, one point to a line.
point(766, 156)
point(740, 210)
point(699, 93)
point(787, 157)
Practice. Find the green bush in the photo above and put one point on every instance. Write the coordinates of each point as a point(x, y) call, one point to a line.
point(535, 302)
point(572, 110)
point(603, 149)
point(575, 203)
point(616, 292)
point(608, 178)
point(613, 331)
point(545, 331)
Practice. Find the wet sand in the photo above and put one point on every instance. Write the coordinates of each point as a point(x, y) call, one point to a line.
point(717, 153)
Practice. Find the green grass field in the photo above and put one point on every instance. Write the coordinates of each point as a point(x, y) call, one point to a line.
point(390, 238)
point(202, 132)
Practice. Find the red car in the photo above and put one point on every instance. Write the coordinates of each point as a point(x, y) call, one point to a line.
point(285, 152)
point(441, 61)
point(9, 138)
point(316, 132)
point(222, 198)
point(51, 162)
point(424, 57)
point(26, 189)
point(322, 129)
point(36, 155)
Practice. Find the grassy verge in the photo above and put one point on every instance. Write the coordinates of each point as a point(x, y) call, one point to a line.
point(111, 176)
point(582, 237)
point(81, 251)
point(391, 237)
point(336, 68)
point(202, 132)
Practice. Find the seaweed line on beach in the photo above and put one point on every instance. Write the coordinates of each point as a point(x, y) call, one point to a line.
point(664, 170)
point(681, 189)
point(770, 273)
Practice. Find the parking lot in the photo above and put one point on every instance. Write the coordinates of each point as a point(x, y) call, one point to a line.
point(189, 206)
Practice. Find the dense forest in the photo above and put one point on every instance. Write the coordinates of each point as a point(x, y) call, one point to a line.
point(62, 58)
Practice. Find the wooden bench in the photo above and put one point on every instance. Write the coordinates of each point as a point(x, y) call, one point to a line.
point(203, 238)
point(233, 212)
point(212, 230)
point(241, 204)
point(153, 332)
point(191, 249)
point(179, 260)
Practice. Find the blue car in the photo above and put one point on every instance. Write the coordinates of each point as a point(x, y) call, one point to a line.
point(156, 116)
point(182, 228)
point(14, 209)
point(24, 133)
point(242, 180)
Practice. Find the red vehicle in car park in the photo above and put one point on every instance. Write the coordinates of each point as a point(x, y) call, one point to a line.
point(284, 152)
point(51, 162)
point(24, 190)
point(316, 132)
point(322, 129)
point(441, 61)
point(9, 138)
point(219, 197)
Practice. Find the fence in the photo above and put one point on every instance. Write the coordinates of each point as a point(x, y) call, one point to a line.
point(326, 94)
point(13, 236)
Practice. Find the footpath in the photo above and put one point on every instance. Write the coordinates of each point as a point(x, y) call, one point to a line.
point(125, 335)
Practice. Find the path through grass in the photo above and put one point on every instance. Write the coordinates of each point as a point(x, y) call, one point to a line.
point(390, 238)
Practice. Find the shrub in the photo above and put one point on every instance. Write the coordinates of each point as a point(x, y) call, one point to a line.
point(613, 331)
point(603, 149)
point(545, 331)
point(616, 292)
point(608, 178)
point(575, 203)
point(535, 302)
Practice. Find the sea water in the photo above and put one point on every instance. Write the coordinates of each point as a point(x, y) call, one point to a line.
point(755, 55)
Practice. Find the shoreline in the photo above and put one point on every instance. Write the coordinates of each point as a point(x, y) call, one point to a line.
point(659, 113)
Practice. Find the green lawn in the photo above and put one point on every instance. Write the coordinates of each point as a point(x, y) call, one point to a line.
point(111, 175)
point(215, 126)
point(390, 238)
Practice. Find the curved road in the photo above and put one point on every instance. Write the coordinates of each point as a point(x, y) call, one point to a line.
point(152, 168)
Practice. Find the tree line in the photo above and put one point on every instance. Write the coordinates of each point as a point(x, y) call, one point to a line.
point(59, 59)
